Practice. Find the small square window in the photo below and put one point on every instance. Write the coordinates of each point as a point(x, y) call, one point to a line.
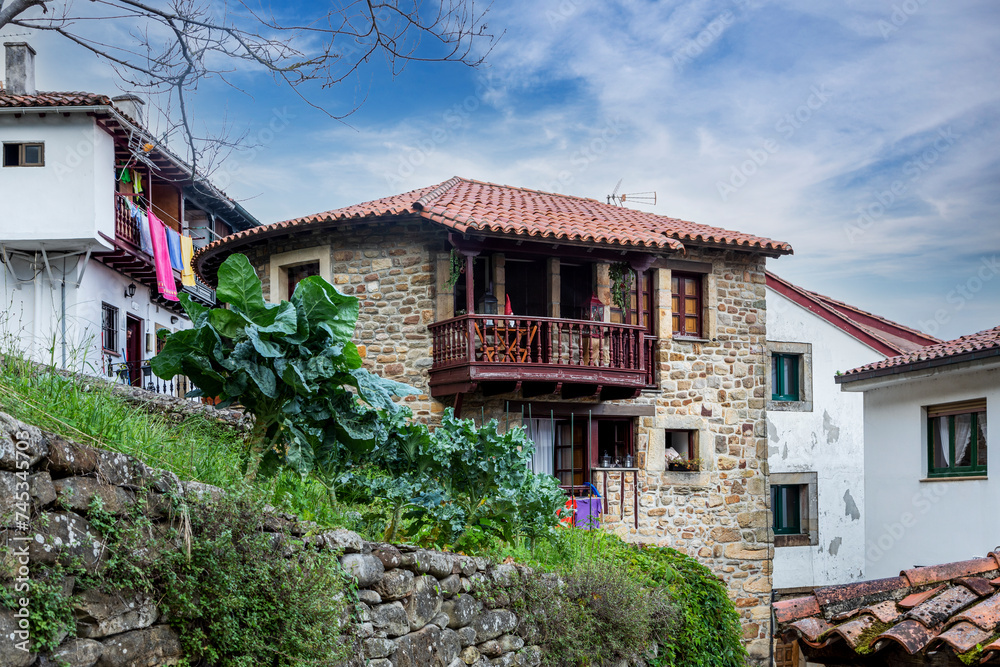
point(956, 439)
point(24, 155)
point(795, 509)
point(297, 273)
point(784, 377)
point(686, 304)
point(682, 450)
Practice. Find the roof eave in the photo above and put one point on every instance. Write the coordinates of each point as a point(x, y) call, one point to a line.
point(921, 365)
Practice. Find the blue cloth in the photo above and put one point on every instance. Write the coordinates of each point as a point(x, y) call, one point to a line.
point(174, 243)
point(139, 220)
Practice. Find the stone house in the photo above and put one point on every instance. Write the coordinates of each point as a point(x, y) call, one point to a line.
point(614, 336)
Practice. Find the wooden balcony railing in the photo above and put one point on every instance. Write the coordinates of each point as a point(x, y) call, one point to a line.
point(126, 227)
point(621, 351)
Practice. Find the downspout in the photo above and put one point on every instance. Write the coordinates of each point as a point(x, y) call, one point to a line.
point(62, 308)
point(36, 316)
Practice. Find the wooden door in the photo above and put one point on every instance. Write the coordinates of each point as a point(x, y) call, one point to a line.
point(133, 349)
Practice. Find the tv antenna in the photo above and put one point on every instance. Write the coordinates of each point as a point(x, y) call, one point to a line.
point(648, 198)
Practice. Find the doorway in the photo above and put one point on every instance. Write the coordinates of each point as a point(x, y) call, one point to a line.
point(133, 349)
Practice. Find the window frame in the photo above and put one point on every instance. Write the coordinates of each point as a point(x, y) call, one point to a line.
point(21, 146)
point(678, 299)
point(779, 392)
point(788, 527)
point(951, 411)
point(807, 508)
point(106, 310)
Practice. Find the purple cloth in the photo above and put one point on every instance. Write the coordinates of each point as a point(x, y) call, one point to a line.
point(161, 258)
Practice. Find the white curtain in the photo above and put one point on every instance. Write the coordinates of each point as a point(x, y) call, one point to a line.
point(943, 435)
point(543, 435)
point(963, 435)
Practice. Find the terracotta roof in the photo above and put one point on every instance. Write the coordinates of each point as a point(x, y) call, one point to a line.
point(885, 336)
point(468, 206)
point(953, 607)
point(967, 348)
point(54, 99)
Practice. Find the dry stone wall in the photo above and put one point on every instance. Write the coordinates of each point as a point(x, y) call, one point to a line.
point(416, 607)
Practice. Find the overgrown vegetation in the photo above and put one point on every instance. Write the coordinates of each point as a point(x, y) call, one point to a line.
point(694, 623)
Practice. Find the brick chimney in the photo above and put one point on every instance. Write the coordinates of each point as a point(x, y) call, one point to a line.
point(130, 105)
point(20, 68)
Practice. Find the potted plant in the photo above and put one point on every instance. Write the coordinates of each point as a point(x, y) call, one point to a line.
point(684, 465)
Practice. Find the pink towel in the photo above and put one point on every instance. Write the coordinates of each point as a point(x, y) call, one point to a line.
point(161, 257)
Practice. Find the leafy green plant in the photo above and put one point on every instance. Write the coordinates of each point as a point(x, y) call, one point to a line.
point(621, 284)
point(456, 268)
point(291, 364)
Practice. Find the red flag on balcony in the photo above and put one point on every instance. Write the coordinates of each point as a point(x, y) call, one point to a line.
point(507, 310)
point(161, 258)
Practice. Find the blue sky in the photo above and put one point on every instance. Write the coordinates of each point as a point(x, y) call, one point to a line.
point(863, 133)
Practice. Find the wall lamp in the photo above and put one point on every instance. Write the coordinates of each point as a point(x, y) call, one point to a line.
point(130, 290)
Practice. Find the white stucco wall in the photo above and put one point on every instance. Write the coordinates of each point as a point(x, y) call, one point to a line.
point(828, 441)
point(71, 198)
point(32, 317)
point(912, 522)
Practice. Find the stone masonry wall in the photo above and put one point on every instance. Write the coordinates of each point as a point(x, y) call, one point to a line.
point(415, 610)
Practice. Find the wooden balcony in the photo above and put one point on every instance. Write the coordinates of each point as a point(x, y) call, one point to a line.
point(540, 355)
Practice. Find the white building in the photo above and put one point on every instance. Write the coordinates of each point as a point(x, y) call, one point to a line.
point(928, 418)
point(815, 432)
point(79, 175)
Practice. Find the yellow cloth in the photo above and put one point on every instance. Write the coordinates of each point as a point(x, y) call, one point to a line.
point(187, 252)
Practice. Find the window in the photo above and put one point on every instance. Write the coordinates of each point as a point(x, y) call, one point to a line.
point(576, 286)
point(784, 377)
point(795, 509)
point(686, 304)
point(790, 377)
point(956, 439)
point(785, 507)
point(684, 444)
point(297, 273)
point(109, 328)
point(24, 155)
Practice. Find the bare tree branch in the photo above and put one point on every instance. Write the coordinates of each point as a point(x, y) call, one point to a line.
point(186, 41)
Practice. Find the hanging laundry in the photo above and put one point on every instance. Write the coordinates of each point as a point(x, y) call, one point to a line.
point(174, 245)
point(187, 252)
point(139, 218)
point(137, 178)
point(125, 176)
point(161, 258)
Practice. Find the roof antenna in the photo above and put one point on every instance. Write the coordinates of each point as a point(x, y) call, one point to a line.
point(648, 198)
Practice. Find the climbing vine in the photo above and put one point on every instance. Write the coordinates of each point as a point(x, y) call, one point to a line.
point(621, 284)
point(457, 269)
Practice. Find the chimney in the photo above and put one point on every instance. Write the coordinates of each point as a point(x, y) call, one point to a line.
point(130, 105)
point(20, 68)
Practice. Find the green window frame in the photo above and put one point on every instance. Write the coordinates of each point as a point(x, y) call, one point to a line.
point(784, 377)
point(956, 441)
point(785, 499)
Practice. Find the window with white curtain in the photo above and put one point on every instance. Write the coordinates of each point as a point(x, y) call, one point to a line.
point(956, 439)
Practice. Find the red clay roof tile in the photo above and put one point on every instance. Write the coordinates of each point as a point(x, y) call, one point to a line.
point(469, 206)
point(927, 609)
point(979, 345)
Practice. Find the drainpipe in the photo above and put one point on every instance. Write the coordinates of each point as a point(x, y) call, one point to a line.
point(36, 316)
point(62, 308)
